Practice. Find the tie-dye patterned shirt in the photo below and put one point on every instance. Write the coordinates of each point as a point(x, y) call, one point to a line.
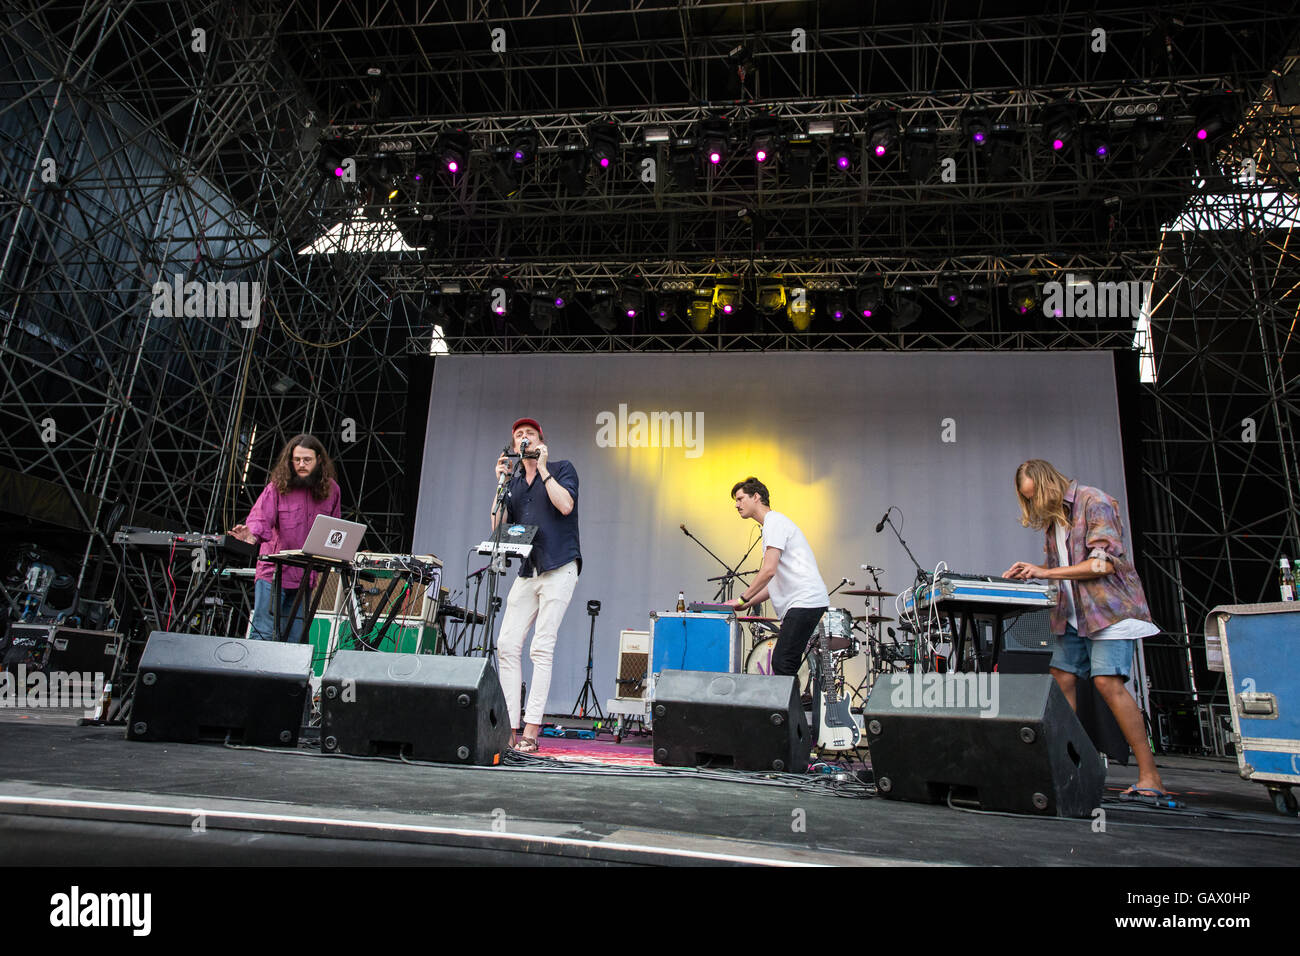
point(1095, 529)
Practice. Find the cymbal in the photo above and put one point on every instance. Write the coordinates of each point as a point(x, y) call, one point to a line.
point(869, 593)
point(758, 620)
point(872, 618)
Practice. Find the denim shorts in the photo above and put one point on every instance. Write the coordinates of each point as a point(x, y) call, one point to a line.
point(1087, 658)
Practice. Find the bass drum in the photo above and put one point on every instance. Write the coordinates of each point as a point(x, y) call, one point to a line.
point(759, 661)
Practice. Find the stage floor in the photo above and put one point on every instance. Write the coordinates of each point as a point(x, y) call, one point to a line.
point(78, 796)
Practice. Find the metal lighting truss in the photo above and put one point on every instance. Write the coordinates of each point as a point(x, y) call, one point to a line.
point(209, 164)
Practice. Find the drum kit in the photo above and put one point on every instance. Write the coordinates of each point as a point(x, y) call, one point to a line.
point(855, 642)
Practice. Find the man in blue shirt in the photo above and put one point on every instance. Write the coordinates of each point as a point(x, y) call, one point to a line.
point(545, 495)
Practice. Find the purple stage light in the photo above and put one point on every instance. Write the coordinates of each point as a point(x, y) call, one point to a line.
point(418, 178)
point(519, 156)
point(978, 137)
point(453, 166)
point(952, 300)
point(761, 156)
point(866, 313)
point(837, 315)
point(1058, 143)
point(604, 162)
point(631, 313)
point(842, 162)
point(727, 309)
point(1202, 134)
point(559, 301)
point(715, 157)
point(880, 149)
point(1102, 151)
point(1058, 313)
point(338, 171)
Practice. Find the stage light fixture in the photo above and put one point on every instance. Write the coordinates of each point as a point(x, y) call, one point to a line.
point(541, 310)
point(976, 125)
point(841, 152)
point(603, 141)
point(1216, 114)
point(333, 152)
point(763, 130)
point(506, 175)
point(906, 310)
point(452, 150)
point(882, 132)
point(799, 308)
point(684, 164)
point(1023, 296)
point(770, 299)
point(798, 161)
point(870, 299)
point(522, 148)
point(836, 306)
point(975, 309)
point(920, 150)
point(701, 309)
point(574, 161)
point(950, 292)
point(1099, 145)
point(1004, 148)
point(667, 306)
point(715, 140)
point(632, 301)
point(727, 298)
point(1060, 123)
point(603, 311)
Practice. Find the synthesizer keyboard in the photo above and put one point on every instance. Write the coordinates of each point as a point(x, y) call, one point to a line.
point(167, 540)
point(957, 591)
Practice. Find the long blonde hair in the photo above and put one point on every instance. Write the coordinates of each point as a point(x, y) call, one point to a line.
point(1047, 507)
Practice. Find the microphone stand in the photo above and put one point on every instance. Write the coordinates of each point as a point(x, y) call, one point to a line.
point(921, 573)
point(725, 588)
point(498, 563)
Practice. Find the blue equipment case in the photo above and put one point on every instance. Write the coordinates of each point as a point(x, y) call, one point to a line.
point(694, 642)
point(1257, 646)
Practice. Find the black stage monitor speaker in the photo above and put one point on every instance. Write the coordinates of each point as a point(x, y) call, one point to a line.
point(420, 706)
point(1002, 741)
point(743, 721)
point(194, 687)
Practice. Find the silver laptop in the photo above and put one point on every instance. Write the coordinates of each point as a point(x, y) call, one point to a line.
point(334, 538)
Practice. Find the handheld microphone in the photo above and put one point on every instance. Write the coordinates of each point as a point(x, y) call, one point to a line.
point(523, 445)
point(684, 531)
point(880, 525)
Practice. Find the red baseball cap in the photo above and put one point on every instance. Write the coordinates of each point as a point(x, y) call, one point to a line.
point(528, 421)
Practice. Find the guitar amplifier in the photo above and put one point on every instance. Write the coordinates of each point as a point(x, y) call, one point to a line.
point(633, 665)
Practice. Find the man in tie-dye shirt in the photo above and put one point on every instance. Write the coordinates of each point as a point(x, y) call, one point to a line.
point(1101, 610)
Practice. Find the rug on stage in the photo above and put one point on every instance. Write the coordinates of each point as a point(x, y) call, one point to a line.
point(632, 752)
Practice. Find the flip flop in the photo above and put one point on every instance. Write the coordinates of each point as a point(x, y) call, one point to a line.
point(1151, 798)
point(527, 745)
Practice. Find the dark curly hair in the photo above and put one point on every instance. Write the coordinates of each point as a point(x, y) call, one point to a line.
point(283, 472)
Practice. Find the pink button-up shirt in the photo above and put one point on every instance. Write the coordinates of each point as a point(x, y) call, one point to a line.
point(281, 523)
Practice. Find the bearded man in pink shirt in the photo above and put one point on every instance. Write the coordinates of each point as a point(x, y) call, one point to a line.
point(302, 486)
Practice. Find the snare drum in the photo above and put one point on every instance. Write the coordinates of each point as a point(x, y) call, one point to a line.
point(759, 661)
point(836, 626)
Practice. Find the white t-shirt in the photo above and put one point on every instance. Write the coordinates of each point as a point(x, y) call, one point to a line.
point(1125, 630)
point(797, 582)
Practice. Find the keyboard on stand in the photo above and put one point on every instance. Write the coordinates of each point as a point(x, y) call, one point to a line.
point(956, 590)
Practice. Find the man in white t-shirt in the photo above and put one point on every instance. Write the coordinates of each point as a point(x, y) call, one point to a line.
point(788, 575)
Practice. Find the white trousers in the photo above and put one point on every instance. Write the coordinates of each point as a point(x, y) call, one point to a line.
point(542, 598)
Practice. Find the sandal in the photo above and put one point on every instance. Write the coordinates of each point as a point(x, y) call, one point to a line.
point(526, 745)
